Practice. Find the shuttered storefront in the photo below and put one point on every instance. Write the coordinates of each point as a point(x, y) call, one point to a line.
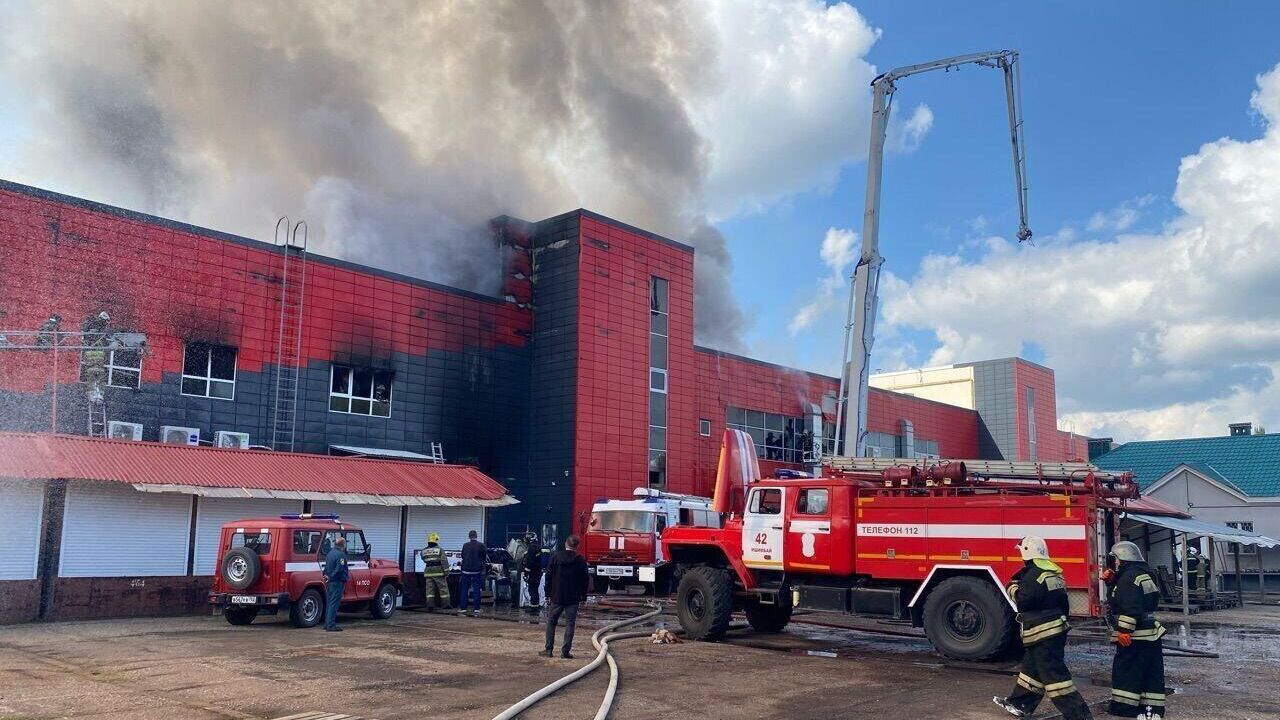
point(21, 502)
point(112, 530)
point(452, 523)
point(381, 524)
point(212, 513)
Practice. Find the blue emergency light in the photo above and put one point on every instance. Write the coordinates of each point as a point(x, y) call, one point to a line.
point(309, 516)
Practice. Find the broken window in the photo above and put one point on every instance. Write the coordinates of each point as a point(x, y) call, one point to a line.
point(209, 370)
point(360, 391)
point(123, 369)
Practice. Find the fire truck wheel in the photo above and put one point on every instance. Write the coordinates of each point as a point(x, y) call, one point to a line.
point(704, 603)
point(768, 618)
point(966, 618)
point(240, 568)
point(383, 604)
point(240, 615)
point(308, 611)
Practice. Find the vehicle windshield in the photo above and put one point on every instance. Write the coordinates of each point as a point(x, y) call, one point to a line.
point(622, 521)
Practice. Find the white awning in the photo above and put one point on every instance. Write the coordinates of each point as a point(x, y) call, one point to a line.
point(1201, 528)
point(380, 453)
point(344, 498)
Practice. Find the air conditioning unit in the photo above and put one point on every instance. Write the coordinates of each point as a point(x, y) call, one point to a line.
point(228, 439)
point(117, 430)
point(171, 435)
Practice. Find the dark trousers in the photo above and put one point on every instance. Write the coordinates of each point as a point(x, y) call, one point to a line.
point(1137, 678)
point(472, 584)
point(570, 613)
point(535, 577)
point(333, 597)
point(1044, 673)
point(435, 591)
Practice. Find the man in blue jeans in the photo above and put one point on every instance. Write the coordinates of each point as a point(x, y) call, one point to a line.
point(474, 559)
point(566, 588)
point(335, 572)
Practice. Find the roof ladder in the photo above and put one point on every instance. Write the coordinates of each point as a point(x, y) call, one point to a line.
point(437, 453)
point(293, 280)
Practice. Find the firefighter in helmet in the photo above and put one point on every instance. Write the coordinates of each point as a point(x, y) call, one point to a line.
point(1040, 594)
point(93, 359)
point(435, 575)
point(1137, 673)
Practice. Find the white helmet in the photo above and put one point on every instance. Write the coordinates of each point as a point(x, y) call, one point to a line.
point(1033, 548)
point(1126, 551)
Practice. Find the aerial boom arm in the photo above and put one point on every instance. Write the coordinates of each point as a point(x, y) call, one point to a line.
point(851, 413)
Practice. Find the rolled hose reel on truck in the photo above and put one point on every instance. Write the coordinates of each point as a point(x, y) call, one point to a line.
point(932, 544)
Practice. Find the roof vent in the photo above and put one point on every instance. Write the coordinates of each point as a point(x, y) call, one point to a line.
point(1244, 428)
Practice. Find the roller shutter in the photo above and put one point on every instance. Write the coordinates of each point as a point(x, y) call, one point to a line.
point(112, 530)
point(452, 523)
point(213, 513)
point(21, 504)
point(381, 524)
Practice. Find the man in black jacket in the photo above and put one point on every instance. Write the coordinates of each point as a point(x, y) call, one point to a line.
point(335, 574)
point(1040, 594)
point(566, 587)
point(474, 559)
point(1137, 674)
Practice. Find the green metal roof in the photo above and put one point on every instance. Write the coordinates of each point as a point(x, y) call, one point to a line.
point(1249, 463)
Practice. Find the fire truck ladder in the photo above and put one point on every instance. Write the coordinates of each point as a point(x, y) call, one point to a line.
point(1041, 472)
point(293, 281)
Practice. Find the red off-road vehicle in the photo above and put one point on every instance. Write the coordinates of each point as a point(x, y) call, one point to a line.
point(266, 565)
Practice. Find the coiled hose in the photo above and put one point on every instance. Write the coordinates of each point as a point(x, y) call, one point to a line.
point(600, 639)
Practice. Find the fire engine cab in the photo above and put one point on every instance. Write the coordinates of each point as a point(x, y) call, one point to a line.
point(623, 538)
point(925, 541)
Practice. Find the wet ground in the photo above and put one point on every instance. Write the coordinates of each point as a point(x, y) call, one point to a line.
point(431, 666)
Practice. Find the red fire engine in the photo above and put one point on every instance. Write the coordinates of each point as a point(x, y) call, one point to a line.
point(930, 543)
point(622, 542)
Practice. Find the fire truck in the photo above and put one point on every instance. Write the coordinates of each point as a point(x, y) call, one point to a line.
point(623, 538)
point(929, 542)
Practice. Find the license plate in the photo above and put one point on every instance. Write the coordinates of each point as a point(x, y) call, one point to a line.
point(244, 600)
point(613, 571)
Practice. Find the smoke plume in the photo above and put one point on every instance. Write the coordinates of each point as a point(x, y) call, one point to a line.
point(397, 128)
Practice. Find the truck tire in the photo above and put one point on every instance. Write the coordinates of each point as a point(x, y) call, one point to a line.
point(768, 618)
point(240, 568)
point(308, 611)
point(704, 603)
point(383, 604)
point(967, 618)
point(240, 615)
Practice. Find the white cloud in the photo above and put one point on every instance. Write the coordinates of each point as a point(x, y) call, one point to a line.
point(1151, 334)
point(1120, 218)
point(793, 104)
point(838, 253)
point(909, 135)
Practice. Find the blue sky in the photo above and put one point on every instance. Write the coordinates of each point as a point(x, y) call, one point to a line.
point(1153, 150)
point(1114, 95)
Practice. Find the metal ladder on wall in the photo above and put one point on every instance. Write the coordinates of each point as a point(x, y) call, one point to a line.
point(437, 453)
point(293, 282)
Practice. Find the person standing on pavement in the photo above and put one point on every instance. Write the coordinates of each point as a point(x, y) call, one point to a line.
point(474, 559)
point(435, 575)
point(1137, 673)
point(1040, 594)
point(335, 575)
point(566, 587)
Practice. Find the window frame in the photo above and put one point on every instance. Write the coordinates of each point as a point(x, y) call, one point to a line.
point(704, 423)
point(1249, 550)
point(757, 501)
point(802, 501)
point(350, 397)
point(112, 366)
point(208, 378)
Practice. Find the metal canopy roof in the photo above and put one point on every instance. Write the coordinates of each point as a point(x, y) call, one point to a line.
point(219, 472)
point(1201, 528)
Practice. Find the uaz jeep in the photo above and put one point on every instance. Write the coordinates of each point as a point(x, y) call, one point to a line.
point(266, 565)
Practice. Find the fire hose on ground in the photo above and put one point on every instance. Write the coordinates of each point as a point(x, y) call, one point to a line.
point(600, 640)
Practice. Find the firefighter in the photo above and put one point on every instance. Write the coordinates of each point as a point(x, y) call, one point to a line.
point(48, 331)
point(94, 357)
point(1040, 594)
point(533, 569)
point(1137, 673)
point(435, 575)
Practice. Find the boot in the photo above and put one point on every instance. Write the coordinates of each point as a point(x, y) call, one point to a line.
point(1008, 707)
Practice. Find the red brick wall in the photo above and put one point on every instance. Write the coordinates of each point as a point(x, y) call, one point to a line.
point(611, 453)
point(173, 284)
point(1051, 443)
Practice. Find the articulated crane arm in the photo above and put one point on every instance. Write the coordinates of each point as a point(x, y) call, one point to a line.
point(860, 321)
